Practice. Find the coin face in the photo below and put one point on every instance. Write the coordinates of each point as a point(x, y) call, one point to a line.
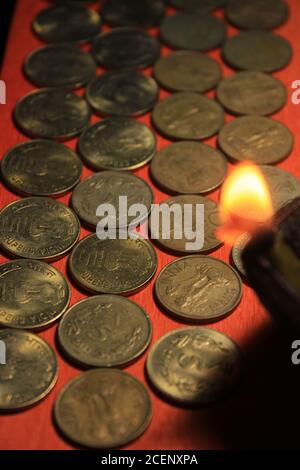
point(179, 239)
point(30, 371)
point(188, 71)
point(188, 168)
point(198, 6)
point(124, 48)
point(67, 23)
point(113, 266)
point(143, 14)
point(284, 187)
point(52, 114)
point(252, 93)
point(107, 187)
point(198, 288)
point(111, 331)
point(117, 144)
point(257, 14)
point(257, 50)
point(236, 253)
point(256, 138)
point(116, 403)
point(41, 168)
point(122, 93)
point(32, 294)
point(38, 228)
point(60, 65)
point(188, 116)
point(192, 32)
point(194, 366)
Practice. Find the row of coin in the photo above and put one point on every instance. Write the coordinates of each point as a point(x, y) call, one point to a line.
point(106, 408)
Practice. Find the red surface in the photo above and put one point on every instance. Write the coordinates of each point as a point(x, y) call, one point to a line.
point(264, 411)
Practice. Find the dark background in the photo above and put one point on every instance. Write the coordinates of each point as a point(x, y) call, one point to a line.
point(6, 10)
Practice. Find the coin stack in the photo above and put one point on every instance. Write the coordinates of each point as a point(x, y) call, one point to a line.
point(106, 407)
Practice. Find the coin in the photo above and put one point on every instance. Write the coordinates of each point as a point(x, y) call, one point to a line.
point(252, 93)
point(103, 408)
point(188, 116)
point(113, 266)
point(32, 294)
point(41, 168)
point(67, 23)
point(107, 187)
point(236, 253)
point(30, 372)
point(188, 168)
point(257, 14)
point(60, 65)
point(194, 366)
point(256, 138)
point(198, 6)
point(257, 50)
point(192, 32)
point(52, 114)
point(284, 187)
point(176, 240)
point(110, 331)
point(122, 93)
point(124, 48)
point(117, 144)
point(38, 228)
point(198, 288)
point(188, 71)
point(143, 14)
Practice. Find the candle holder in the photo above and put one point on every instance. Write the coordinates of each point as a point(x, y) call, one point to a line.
point(272, 262)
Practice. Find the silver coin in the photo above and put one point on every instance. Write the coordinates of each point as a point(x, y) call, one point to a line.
point(52, 114)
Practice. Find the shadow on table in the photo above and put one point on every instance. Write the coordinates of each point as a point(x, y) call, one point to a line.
point(264, 412)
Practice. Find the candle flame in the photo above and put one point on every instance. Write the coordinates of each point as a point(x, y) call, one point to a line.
point(245, 203)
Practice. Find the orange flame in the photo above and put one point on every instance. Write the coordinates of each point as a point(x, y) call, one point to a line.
point(245, 203)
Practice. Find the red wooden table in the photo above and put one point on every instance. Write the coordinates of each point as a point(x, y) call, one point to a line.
point(264, 411)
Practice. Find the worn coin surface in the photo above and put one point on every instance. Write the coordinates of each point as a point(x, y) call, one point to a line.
point(188, 116)
point(256, 138)
point(188, 168)
point(117, 144)
point(67, 23)
point(103, 408)
point(52, 113)
point(105, 331)
point(252, 93)
point(284, 187)
point(257, 50)
point(257, 14)
point(107, 187)
point(142, 14)
point(33, 294)
point(194, 366)
point(236, 253)
point(124, 48)
point(60, 65)
point(122, 93)
point(113, 266)
point(41, 168)
point(188, 71)
point(192, 32)
point(198, 288)
point(179, 238)
point(38, 228)
point(30, 372)
point(198, 6)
